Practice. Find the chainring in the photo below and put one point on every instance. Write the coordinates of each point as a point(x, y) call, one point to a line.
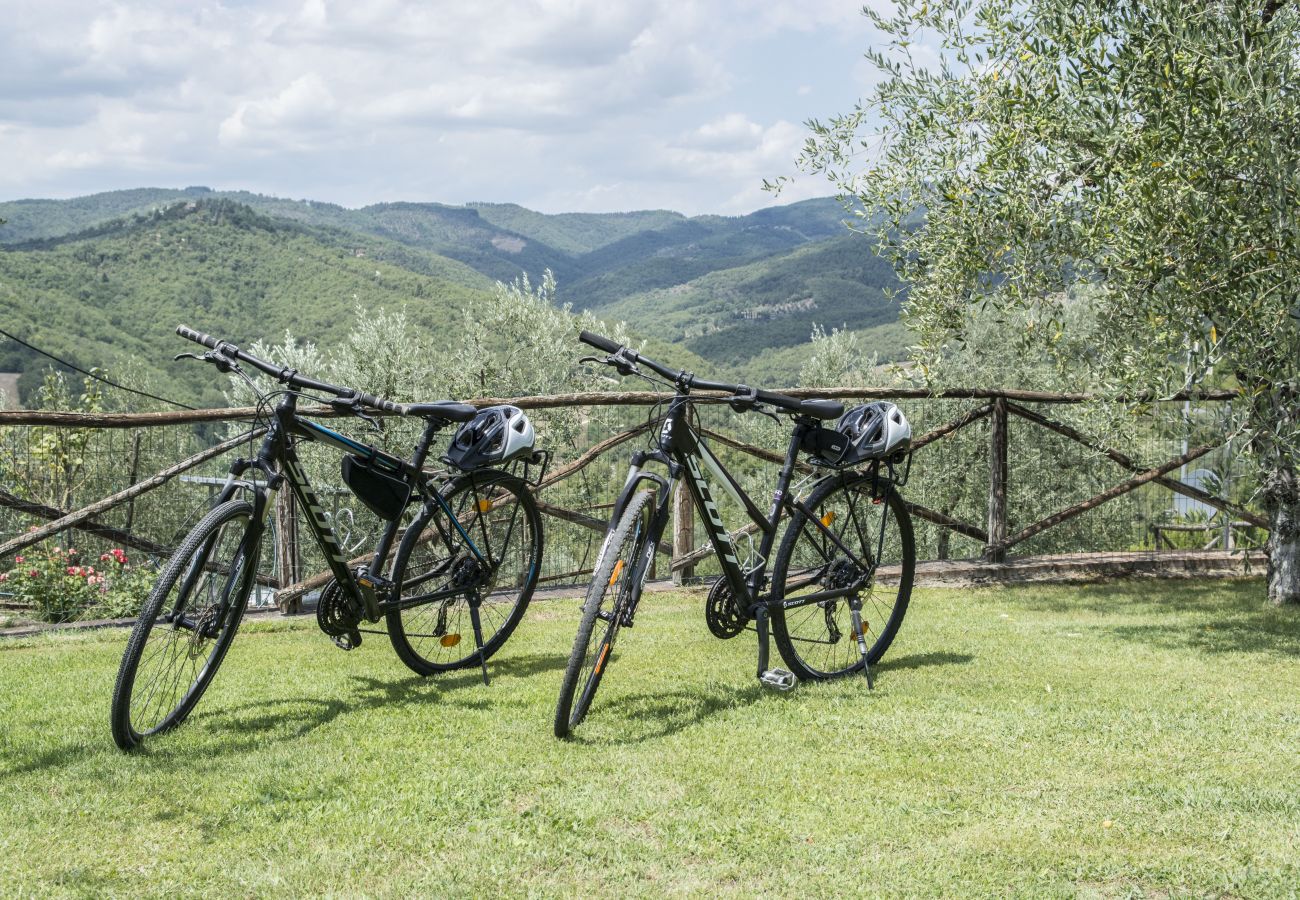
point(332, 613)
point(721, 612)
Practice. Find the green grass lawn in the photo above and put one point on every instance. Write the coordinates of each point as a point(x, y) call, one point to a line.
point(1121, 740)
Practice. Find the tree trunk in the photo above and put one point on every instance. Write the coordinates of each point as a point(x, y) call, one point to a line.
point(1282, 501)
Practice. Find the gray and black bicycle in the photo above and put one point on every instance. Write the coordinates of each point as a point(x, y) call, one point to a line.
point(468, 545)
point(840, 581)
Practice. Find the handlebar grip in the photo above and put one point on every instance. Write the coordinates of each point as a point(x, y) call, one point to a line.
point(197, 337)
point(600, 343)
point(380, 403)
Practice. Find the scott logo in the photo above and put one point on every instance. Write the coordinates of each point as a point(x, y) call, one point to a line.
point(718, 530)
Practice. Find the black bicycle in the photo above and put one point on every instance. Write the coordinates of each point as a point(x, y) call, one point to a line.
point(842, 578)
point(465, 567)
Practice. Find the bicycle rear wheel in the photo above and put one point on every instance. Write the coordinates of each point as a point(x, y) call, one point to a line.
point(817, 641)
point(437, 571)
point(186, 625)
point(612, 591)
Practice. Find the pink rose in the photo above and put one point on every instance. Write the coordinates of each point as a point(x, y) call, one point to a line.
point(20, 559)
point(34, 573)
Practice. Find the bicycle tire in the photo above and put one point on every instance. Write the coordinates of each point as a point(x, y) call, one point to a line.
point(817, 641)
point(157, 690)
point(429, 638)
point(587, 666)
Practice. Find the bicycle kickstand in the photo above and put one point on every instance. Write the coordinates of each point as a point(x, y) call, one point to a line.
point(478, 634)
point(777, 679)
point(860, 632)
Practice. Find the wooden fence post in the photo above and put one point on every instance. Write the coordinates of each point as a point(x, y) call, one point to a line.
point(994, 551)
point(286, 547)
point(132, 478)
point(683, 532)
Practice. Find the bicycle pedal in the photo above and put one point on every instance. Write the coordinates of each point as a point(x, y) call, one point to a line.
point(779, 679)
point(349, 641)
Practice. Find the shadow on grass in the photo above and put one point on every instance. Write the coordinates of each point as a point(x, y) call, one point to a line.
point(921, 660)
point(232, 729)
point(634, 718)
point(302, 715)
point(1204, 616)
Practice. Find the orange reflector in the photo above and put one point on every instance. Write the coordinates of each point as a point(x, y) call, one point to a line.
point(449, 640)
point(484, 505)
point(604, 652)
point(828, 518)
point(618, 570)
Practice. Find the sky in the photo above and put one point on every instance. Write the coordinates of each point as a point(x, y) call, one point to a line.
point(558, 105)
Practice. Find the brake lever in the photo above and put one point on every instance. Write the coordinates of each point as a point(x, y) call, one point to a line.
point(620, 362)
point(746, 401)
point(351, 407)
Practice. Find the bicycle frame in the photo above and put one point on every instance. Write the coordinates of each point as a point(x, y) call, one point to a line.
point(686, 455)
point(278, 460)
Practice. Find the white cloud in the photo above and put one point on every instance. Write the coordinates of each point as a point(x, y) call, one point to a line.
point(554, 103)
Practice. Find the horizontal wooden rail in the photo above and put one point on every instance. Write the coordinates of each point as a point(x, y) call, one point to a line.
point(589, 398)
point(1119, 489)
point(36, 535)
point(49, 513)
point(1121, 459)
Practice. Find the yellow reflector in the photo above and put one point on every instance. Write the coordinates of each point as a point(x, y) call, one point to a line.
point(449, 640)
point(828, 518)
point(618, 570)
point(604, 652)
point(484, 505)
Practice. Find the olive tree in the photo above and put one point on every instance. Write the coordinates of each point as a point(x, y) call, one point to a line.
point(1148, 150)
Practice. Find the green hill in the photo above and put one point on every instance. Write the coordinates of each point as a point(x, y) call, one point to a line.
point(116, 294)
point(739, 293)
point(734, 315)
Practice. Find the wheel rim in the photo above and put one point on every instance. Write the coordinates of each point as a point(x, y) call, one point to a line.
point(822, 633)
point(453, 578)
point(184, 639)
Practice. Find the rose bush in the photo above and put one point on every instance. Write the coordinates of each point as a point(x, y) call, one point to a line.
point(60, 586)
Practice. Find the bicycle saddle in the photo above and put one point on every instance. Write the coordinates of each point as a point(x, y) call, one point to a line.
point(443, 409)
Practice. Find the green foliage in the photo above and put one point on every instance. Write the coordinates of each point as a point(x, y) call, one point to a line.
point(1147, 150)
point(61, 585)
point(57, 456)
point(836, 360)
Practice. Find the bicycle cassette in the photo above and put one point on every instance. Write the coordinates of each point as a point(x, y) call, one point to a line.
point(723, 616)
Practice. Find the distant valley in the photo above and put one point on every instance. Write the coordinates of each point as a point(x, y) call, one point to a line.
point(102, 279)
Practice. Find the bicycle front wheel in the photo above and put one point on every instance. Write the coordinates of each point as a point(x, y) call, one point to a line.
point(186, 624)
point(613, 590)
point(852, 540)
point(486, 556)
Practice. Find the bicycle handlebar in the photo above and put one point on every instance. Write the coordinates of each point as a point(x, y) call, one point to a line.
point(290, 376)
point(685, 381)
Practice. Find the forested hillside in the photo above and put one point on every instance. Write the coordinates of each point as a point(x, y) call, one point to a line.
point(735, 314)
point(113, 297)
point(95, 276)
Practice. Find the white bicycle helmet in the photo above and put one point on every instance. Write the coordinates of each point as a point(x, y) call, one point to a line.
point(498, 434)
point(873, 431)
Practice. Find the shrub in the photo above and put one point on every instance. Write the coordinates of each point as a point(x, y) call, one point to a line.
point(61, 586)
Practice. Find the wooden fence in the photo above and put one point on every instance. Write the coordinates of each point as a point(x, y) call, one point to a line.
point(993, 534)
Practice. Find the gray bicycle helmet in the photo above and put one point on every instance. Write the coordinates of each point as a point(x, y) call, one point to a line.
point(498, 434)
point(873, 431)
